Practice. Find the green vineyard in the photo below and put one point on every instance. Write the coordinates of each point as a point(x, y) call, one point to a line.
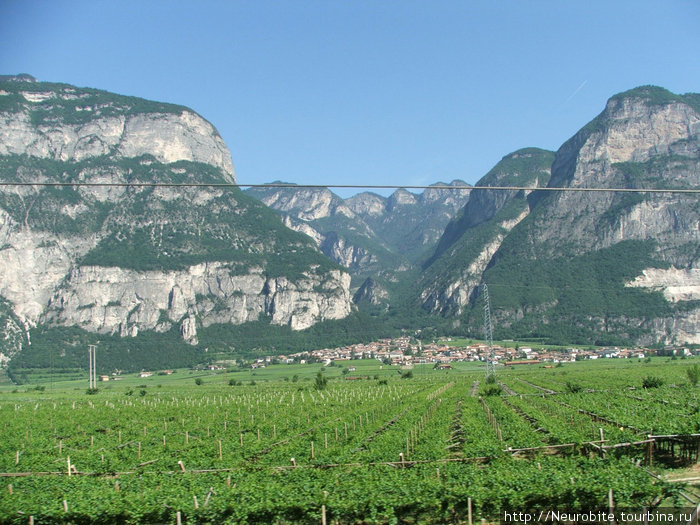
point(438, 447)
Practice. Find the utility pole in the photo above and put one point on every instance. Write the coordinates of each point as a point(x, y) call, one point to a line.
point(92, 368)
point(488, 334)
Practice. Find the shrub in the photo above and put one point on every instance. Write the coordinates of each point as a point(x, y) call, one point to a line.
point(652, 382)
point(490, 390)
point(574, 388)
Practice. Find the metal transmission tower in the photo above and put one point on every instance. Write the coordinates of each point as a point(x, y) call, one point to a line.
point(488, 334)
point(92, 368)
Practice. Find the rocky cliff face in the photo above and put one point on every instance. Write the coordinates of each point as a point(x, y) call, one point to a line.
point(123, 258)
point(646, 137)
point(124, 301)
point(592, 265)
point(70, 125)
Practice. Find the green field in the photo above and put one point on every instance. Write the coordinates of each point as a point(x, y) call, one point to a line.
point(376, 445)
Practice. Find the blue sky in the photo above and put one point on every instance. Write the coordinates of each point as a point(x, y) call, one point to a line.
point(364, 92)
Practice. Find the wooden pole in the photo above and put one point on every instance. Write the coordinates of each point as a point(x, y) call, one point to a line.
point(220, 453)
point(469, 510)
point(611, 504)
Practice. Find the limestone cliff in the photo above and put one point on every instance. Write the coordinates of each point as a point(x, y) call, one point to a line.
point(129, 252)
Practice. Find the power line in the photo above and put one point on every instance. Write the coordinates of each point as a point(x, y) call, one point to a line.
point(225, 185)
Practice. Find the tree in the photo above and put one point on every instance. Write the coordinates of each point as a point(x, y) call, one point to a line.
point(321, 382)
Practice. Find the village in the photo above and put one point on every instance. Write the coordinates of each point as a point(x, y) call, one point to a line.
point(405, 351)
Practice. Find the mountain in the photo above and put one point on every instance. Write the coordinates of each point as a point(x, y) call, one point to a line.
point(605, 267)
point(475, 234)
point(121, 259)
point(380, 240)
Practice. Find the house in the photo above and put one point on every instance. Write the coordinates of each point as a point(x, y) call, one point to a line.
point(104, 379)
point(145, 374)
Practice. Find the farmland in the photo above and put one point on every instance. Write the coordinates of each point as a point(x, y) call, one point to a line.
point(298, 444)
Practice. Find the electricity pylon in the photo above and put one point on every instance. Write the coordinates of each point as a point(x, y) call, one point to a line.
point(92, 367)
point(488, 334)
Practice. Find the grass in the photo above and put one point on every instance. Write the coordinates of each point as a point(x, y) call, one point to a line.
point(303, 375)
